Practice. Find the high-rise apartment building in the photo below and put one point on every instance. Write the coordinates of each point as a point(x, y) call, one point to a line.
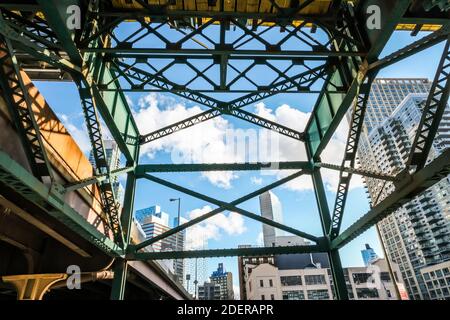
point(209, 291)
point(225, 281)
point(368, 255)
point(387, 94)
point(437, 280)
point(417, 234)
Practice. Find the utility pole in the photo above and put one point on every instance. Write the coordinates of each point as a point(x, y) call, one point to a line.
point(176, 235)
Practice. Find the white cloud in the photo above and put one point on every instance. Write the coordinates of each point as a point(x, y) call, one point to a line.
point(207, 142)
point(198, 235)
point(291, 151)
point(80, 135)
point(256, 181)
point(203, 143)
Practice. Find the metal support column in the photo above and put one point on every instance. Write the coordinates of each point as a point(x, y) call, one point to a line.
point(120, 279)
point(340, 287)
point(120, 271)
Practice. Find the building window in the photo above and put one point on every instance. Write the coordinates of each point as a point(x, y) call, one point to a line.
point(359, 278)
point(318, 294)
point(294, 295)
point(261, 283)
point(385, 276)
point(315, 279)
point(272, 297)
point(366, 293)
point(263, 297)
point(270, 283)
point(291, 280)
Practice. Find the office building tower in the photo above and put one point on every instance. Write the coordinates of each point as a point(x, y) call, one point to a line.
point(156, 211)
point(417, 234)
point(154, 225)
point(225, 281)
point(368, 255)
point(179, 245)
point(155, 222)
point(113, 160)
point(209, 291)
point(270, 207)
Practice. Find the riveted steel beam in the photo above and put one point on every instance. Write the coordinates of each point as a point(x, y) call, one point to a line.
point(239, 252)
point(432, 113)
point(407, 189)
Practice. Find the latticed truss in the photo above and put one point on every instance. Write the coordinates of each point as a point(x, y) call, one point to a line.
point(301, 47)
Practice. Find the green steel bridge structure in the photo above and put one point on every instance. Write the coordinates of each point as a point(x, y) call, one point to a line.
point(337, 55)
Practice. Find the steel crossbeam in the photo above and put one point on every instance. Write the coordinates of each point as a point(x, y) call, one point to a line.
point(432, 112)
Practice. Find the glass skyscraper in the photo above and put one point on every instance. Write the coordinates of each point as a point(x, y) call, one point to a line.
point(368, 255)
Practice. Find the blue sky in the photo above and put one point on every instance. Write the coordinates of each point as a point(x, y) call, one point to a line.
point(298, 202)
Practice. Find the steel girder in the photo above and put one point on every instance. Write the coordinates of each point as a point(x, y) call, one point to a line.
point(408, 188)
point(328, 112)
point(204, 167)
point(20, 108)
point(351, 148)
point(110, 205)
point(242, 252)
point(35, 38)
point(18, 179)
point(415, 47)
point(348, 57)
point(432, 112)
point(218, 210)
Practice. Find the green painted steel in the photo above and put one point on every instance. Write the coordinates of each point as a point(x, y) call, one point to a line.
point(200, 167)
point(14, 176)
point(340, 286)
point(57, 16)
point(432, 113)
point(97, 58)
point(115, 111)
point(228, 206)
point(218, 210)
point(120, 278)
point(253, 252)
point(406, 189)
point(329, 111)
